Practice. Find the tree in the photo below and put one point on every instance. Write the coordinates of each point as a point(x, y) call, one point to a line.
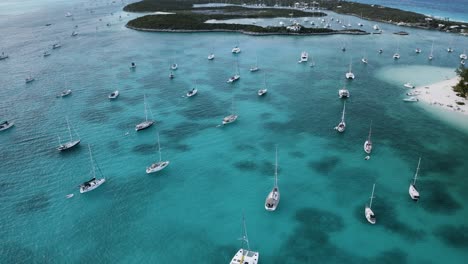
point(462, 86)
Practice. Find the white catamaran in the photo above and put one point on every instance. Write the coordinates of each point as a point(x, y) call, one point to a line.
point(157, 166)
point(92, 184)
point(413, 192)
point(245, 256)
point(147, 123)
point(368, 143)
point(368, 210)
point(273, 197)
point(68, 145)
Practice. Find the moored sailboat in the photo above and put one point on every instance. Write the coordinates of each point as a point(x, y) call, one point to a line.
point(413, 192)
point(368, 209)
point(273, 198)
point(92, 184)
point(342, 125)
point(157, 166)
point(147, 123)
point(70, 144)
point(368, 142)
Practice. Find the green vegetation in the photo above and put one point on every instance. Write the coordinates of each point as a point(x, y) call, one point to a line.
point(462, 87)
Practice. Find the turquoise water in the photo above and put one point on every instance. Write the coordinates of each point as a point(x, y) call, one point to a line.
point(193, 209)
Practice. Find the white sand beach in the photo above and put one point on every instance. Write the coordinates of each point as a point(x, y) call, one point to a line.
point(441, 95)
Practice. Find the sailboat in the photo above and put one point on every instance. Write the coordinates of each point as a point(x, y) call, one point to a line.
point(192, 92)
point(92, 184)
point(236, 50)
point(431, 55)
point(255, 67)
point(343, 93)
point(236, 76)
point(417, 50)
point(29, 79)
point(304, 57)
point(463, 56)
point(157, 166)
point(68, 145)
point(368, 210)
point(342, 125)
point(6, 125)
point(245, 256)
point(230, 118)
point(211, 56)
point(273, 197)
point(147, 123)
point(350, 75)
point(413, 192)
point(113, 95)
point(264, 90)
point(368, 143)
point(396, 56)
point(174, 66)
point(132, 65)
point(364, 60)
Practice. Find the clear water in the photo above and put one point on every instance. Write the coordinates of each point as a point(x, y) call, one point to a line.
point(193, 208)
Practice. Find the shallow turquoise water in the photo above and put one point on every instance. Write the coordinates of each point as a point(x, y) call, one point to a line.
point(193, 208)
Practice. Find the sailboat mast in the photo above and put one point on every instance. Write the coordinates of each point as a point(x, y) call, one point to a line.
point(417, 171)
point(159, 149)
point(342, 116)
point(92, 164)
point(372, 196)
point(276, 167)
point(370, 131)
point(244, 233)
point(69, 131)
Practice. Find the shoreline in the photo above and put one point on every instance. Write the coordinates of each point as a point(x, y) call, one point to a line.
point(441, 95)
point(244, 32)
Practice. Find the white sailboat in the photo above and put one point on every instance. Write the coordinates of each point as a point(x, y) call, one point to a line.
point(65, 93)
point(211, 56)
point(368, 142)
point(147, 123)
point(70, 144)
point(236, 50)
point(368, 209)
point(264, 90)
point(413, 192)
point(29, 79)
point(236, 76)
point(56, 45)
point(230, 118)
point(396, 56)
point(342, 125)
point(3, 56)
point(132, 65)
point(92, 184)
point(273, 198)
point(255, 67)
point(245, 256)
point(350, 75)
point(157, 166)
point(431, 55)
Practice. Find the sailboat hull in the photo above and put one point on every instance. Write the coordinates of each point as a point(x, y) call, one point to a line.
point(413, 192)
point(144, 125)
point(272, 200)
point(68, 145)
point(157, 167)
point(91, 186)
point(368, 147)
point(369, 215)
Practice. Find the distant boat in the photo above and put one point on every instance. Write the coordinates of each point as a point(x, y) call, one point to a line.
point(147, 123)
point(417, 50)
point(236, 76)
point(113, 95)
point(343, 93)
point(273, 198)
point(368, 142)
point(376, 27)
point(342, 125)
point(65, 93)
point(350, 75)
point(157, 166)
point(449, 50)
point(462, 62)
point(236, 50)
point(192, 92)
point(3, 56)
point(396, 56)
point(413, 192)
point(463, 56)
point(68, 14)
point(132, 65)
point(232, 117)
point(70, 144)
point(255, 67)
point(431, 55)
point(411, 99)
point(364, 60)
point(211, 56)
point(245, 256)
point(6, 125)
point(174, 66)
point(171, 75)
point(46, 53)
point(380, 51)
point(56, 45)
point(92, 184)
point(29, 79)
point(304, 57)
point(409, 85)
point(368, 209)
point(74, 33)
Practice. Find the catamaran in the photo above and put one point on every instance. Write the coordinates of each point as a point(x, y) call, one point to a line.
point(113, 95)
point(368, 209)
point(273, 197)
point(417, 50)
point(70, 144)
point(413, 192)
point(147, 123)
point(6, 125)
point(245, 256)
point(343, 93)
point(342, 125)
point(368, 142)
point(350, 75)
point(236, 50)
point(157, 166)
point(304, 57)
point(92, 184)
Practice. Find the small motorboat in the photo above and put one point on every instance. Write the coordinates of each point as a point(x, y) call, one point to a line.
point(380, 51)
point(234, 78)
point(3, 56)
point(6, 125)
point(449, 50)
point(413, 93)
point(132, 65)
point(29, 79)
point(396, 56)
point(174, 66)
point(46, 54)
point(211, 56)
point(70, 195)
point(462, 62)
point(411, 99)
point(229, 119)
point(409, 85)
point(417, 50)
point(56, 46)
point(254, 69)
point(171, 75)
point(262, 92)
point(192, 92)
point(65, 93)
point(74, 33)
point(113, 95)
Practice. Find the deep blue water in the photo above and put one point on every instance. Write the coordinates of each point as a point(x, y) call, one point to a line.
point(192, 211)
point(453, 9)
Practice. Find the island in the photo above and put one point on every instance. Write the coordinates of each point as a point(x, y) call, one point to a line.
point(184, 17)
